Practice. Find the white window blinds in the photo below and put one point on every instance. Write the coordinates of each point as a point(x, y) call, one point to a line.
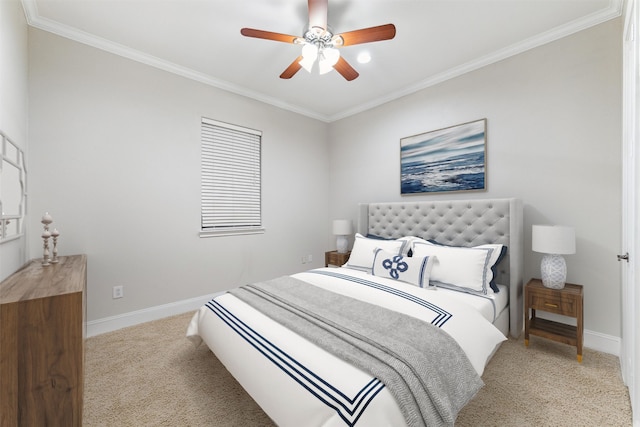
point(231, 180)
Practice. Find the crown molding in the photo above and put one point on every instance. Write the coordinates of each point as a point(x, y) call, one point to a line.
point(45, 24)
point(614, 10)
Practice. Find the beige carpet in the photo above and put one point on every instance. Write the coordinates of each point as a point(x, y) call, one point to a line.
point(151, 375)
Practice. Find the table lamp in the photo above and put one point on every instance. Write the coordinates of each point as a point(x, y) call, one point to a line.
point(553, 241)
point(342, 228)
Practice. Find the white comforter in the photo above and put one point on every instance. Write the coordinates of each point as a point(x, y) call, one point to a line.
point(297, 383)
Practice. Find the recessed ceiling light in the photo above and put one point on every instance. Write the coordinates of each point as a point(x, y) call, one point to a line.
point(364, 57)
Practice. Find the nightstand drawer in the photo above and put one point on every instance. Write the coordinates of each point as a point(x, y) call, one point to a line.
point(554, 304)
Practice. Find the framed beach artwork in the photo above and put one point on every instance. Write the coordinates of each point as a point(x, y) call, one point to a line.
point(449, 159)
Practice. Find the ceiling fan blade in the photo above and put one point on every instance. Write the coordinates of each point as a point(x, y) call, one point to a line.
point(346, 70)
point(318, 10)
point(292, 69)
point(268, 35)
point(367, 35)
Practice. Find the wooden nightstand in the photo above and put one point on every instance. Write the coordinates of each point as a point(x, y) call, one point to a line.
point(567, 301)
point(336, 258)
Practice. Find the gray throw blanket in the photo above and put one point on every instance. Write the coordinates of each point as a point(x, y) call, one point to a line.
point(425, 370)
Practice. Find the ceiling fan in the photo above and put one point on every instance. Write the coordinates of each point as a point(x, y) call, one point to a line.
point(319, 43)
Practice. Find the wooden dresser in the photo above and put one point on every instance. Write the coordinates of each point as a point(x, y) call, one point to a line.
point(42, 331)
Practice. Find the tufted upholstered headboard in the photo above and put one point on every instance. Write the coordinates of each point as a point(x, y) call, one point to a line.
point(461, 223)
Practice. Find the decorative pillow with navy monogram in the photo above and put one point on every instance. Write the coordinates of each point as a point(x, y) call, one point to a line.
point(414, 270)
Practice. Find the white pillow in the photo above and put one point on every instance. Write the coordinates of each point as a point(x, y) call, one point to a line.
point(414, 270)
point(498, 252)
point(363, 251)
point(409, 241)
point(460, 268)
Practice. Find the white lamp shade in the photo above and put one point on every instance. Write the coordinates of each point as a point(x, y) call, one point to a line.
point(309, 56)
point(327, 59)
point(342, 227)
point(324, 67)
point(553, 239)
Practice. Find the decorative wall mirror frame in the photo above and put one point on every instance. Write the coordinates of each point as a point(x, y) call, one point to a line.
point(13, 186)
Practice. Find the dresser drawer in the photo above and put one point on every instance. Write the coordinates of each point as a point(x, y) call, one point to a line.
point(554, 304)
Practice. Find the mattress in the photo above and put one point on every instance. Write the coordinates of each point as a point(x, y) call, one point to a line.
point(489, 306)
point(298, 383)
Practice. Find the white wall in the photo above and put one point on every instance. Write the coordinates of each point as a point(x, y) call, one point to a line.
point(13, 105)
point(115, 159)
point(114, 156)
point(554, 141)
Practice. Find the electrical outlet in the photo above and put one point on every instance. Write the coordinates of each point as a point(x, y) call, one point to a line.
point(309, 258)
point(118, 292)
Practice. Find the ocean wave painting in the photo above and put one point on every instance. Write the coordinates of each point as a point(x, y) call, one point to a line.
point(450, 159)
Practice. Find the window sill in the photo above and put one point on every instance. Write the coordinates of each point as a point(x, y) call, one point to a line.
point(236, 232)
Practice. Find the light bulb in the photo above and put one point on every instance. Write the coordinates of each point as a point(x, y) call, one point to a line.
point(364, 57)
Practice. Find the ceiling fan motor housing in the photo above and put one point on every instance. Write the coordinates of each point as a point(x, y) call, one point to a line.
point(319, 36)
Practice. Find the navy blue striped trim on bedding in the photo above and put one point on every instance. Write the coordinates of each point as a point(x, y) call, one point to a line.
point(348, 408)
point(442, 315)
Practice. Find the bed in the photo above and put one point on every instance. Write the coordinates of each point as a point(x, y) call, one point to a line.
point(400, 335)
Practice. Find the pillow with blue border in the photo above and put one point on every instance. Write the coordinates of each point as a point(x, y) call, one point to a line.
point(407, 241)
point(363, 252)
point(498, 253)
point(467, 269)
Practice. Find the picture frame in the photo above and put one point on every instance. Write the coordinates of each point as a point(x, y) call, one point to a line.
point(445, 160)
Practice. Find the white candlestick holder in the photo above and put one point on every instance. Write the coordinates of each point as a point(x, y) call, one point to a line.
point(54, 234)
point(45, 254)
point(46, 220)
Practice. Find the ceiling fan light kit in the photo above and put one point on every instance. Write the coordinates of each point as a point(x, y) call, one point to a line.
point(319, 44)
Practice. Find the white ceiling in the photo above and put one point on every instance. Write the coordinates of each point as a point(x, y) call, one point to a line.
point(200, 39)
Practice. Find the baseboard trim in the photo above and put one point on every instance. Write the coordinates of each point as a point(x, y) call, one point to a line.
point(602, 342)
point(113, 323)
point(593, 340)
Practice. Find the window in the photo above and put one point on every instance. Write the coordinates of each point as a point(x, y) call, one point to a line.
point(231, 180)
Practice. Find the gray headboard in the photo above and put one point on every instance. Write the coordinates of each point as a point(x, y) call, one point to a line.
point(462, 223)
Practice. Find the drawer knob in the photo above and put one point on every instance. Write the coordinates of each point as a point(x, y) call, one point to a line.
point(548, 304)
